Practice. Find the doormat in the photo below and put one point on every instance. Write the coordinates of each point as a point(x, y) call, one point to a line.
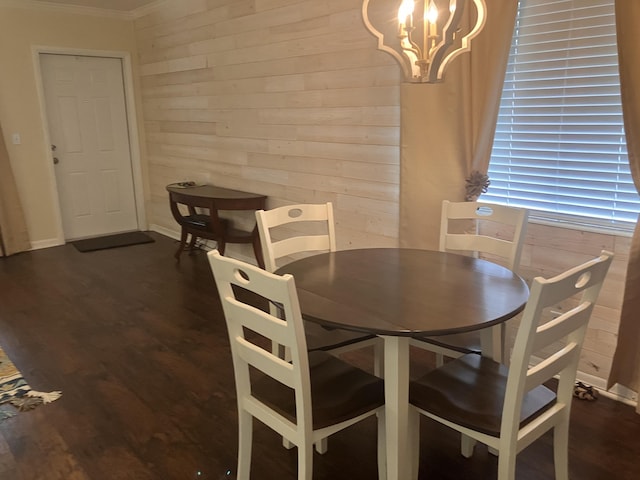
point(14, 389)
point(112, 241)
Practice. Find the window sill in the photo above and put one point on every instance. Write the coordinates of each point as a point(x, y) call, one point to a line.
point(581, 223)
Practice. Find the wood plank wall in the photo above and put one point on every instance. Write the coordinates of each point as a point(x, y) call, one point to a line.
point(548, 251)
point(290, 98)
point(287, 98)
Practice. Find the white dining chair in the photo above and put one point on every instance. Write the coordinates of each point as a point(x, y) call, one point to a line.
point(511, 222)
point(308, 229)
point(507, 408)
point(306, 399)
point(287, 233)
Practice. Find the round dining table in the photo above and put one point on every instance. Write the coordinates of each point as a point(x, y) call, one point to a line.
point(397, 294)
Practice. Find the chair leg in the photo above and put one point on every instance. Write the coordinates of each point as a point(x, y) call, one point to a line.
point(467, 445)
point(382, 447)
point(192, 244)
point(561, 450)
point(378, 359)
point(183, 241)
point(276, 348)
point(499, 333)
point(507, 462)
point(245, 439)
point(221, 246)
point(287, 444)
point(305, 461)
point(414, 442)
point(322, 446)
point(281, 352)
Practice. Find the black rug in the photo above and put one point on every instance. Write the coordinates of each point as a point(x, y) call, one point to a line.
point(112, 241)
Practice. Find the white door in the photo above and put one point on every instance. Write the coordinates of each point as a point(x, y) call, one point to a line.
point(87, 119)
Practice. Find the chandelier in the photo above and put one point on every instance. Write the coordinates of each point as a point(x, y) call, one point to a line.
point(425, 35)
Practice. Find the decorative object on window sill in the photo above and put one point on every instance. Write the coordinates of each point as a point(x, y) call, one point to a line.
point(425, 35)
point(477, 184)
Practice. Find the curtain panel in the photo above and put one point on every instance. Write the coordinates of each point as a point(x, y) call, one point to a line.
point(14, 237)
point(447, 129)
point(625, 369)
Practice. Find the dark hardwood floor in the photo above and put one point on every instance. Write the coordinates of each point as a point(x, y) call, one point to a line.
point(138, 346)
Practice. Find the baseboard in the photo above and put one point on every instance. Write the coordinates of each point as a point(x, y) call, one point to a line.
point(617, 392)
point(51, 242)
point(175, 234)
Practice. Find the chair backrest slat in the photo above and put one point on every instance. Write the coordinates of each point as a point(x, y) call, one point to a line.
point(479, 243)
point(551, 366)
point(264, 361)
point(307, 243)
point(323, 238)
point(562, 326)
point(472, 241)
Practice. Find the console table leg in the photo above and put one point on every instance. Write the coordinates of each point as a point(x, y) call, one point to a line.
point(183, 241)
point(192, 244)
point(257, 251)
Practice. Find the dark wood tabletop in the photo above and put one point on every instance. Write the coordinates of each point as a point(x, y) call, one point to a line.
point(405, 292)
point(215, 193)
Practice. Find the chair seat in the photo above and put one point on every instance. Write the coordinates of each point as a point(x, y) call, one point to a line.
point(339, 391)
point(320, 338)
point(470, 391)
point(459, 342)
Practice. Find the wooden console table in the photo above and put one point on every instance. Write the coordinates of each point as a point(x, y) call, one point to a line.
point(209, 225)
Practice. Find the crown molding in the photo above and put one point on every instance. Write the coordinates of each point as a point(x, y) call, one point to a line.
point(43, 5)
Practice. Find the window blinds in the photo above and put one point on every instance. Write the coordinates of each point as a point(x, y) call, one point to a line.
point(560, 146)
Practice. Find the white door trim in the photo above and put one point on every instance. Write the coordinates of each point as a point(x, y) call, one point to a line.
point(132, 125)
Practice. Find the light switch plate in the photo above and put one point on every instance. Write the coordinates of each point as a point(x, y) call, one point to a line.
point(15, 139)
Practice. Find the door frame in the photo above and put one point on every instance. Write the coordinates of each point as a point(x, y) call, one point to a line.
point(132, 128)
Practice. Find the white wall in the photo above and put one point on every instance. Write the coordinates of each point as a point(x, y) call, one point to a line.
point(21, 29)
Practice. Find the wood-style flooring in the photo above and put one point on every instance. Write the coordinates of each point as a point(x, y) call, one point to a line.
point(138, 345)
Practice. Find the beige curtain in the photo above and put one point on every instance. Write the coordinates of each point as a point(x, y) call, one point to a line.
point(626, 361)
point(447, 128)
point(13, 229)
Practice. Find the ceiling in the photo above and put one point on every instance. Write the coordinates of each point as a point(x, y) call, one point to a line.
point(118, 5)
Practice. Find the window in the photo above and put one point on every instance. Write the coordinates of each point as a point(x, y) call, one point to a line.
point(560, 147)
